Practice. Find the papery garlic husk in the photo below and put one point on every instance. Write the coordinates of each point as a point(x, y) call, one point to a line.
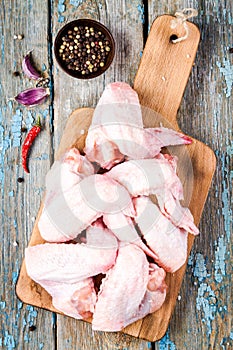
point(28, 68)
point(32, 97)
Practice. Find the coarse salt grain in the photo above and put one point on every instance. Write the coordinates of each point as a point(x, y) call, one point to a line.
point(18, 36)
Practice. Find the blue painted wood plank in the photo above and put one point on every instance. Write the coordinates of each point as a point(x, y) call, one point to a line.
point(203, 307)
point(21, 326)
point(124, 19)
point(202, 318)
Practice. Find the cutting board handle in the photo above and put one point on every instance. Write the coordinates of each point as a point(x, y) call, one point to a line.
point(165, 67)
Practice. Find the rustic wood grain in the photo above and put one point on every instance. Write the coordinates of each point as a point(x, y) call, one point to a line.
point(152, 94)
point(160, 83)
point(203, 313)
point(124, 21)
point(19, 201)
point(202, 318)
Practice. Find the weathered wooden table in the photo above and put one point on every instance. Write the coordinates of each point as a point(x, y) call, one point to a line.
point(202, 318)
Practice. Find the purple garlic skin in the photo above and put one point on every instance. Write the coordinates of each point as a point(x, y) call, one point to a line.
point(28, 68)
point(32, 97)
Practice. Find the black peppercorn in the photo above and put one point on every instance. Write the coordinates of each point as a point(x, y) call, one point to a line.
point(84, 49)
point(20, 179)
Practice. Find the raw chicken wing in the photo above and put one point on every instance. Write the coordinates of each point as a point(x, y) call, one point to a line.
point(156, 290)
point(74, 210)
point(117, 130)
point(155, 294)
point(66, 270)
point(67, 172)
point(166, 240)
point(124, 229)
point(73, 299)
point(68, 263)
point(122, 290)
point(156, 176)
point(132, 289)
point(147, 176)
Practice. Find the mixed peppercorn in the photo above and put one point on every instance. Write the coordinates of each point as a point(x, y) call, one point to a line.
point(84, 49)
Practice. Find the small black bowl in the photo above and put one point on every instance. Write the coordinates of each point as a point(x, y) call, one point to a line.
point(97, 69)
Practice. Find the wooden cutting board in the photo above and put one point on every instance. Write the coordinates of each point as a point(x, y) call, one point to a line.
point(160, 83)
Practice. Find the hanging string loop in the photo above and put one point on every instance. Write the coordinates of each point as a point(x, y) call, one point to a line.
point(181, 17)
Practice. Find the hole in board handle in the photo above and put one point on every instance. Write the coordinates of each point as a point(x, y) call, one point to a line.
point(173, 37)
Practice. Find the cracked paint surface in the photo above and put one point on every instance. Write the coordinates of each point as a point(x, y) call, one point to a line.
point(210, 276)
point(205, 302)
point(61, 7)
point(5, 142)
point(76, 3)
point(166, 343)
point(208, 300)
point(220, 264)
point(226, 69)
point(226, 209)
point(200, 268)
point(16, 127)
point(30, 120)
point(141, 13)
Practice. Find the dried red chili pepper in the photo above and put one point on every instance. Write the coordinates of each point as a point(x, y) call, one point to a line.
point(32, 134)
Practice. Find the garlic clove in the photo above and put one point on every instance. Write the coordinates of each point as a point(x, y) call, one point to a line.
point(28, 68)
point(32, 97)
